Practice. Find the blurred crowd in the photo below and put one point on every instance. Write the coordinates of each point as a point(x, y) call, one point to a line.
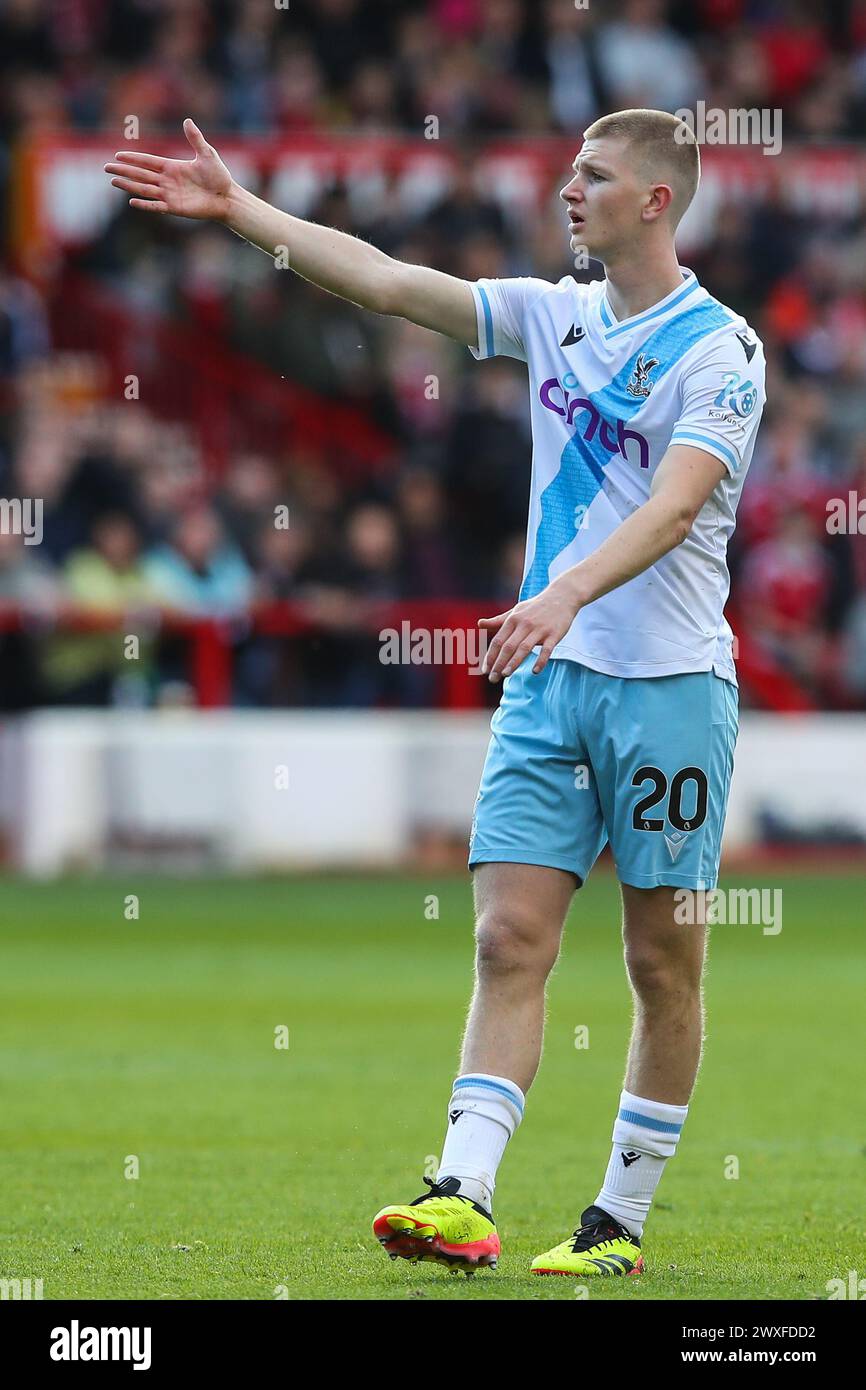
point(481, 65)
point(133, 522)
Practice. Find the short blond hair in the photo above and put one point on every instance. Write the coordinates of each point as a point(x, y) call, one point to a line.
point(664, 147)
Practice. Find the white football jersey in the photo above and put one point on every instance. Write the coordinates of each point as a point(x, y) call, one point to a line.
point(608, 398)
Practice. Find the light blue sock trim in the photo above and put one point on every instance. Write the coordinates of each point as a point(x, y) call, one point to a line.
point(503, 1088)
point(634, 1117)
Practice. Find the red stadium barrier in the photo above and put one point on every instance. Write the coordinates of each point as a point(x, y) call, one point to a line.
point(770, 687)
point(63, 199)
point(212, 643)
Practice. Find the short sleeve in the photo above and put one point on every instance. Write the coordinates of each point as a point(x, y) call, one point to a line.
point(723, 397)
point(501, 307)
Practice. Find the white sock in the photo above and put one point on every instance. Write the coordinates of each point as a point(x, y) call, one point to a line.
point(645, 1135)
point(483, 1113)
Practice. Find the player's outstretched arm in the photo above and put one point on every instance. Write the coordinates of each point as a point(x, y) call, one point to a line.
point(203, 188)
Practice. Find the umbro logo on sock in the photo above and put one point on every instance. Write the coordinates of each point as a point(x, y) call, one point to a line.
point(573, 336)
point(629, 1158)
point(454, 1116)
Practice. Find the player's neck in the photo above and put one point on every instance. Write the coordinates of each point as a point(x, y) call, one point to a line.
point(635, 284)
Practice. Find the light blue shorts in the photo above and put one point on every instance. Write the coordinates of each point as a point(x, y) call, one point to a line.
point(578, 758)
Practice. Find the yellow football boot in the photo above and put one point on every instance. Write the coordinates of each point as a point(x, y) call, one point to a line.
point(441, 1226)
point(600, 1245)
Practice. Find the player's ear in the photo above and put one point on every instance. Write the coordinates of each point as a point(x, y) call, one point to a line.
point(659, 199)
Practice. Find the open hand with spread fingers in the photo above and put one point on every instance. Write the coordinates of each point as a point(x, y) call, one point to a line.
point(197, 187)
point(541, 621)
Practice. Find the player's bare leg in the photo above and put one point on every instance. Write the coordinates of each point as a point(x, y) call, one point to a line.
point(520, 910)
point(664, 960)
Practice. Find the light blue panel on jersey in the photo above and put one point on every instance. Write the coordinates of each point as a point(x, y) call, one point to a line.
point(580, 478)
point(669, 344)
point(583, 460)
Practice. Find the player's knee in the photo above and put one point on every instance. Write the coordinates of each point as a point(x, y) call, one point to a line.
point(658, 976)
point(510, 941)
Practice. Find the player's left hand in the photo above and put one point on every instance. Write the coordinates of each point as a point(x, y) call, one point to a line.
point(541, 621)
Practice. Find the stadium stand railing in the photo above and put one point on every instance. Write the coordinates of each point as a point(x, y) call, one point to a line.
point(231, 402)
point(213, 641)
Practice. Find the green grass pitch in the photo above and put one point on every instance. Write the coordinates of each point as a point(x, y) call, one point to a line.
point(260, 1168)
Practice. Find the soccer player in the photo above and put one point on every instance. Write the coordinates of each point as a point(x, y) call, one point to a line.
point(618, 715)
